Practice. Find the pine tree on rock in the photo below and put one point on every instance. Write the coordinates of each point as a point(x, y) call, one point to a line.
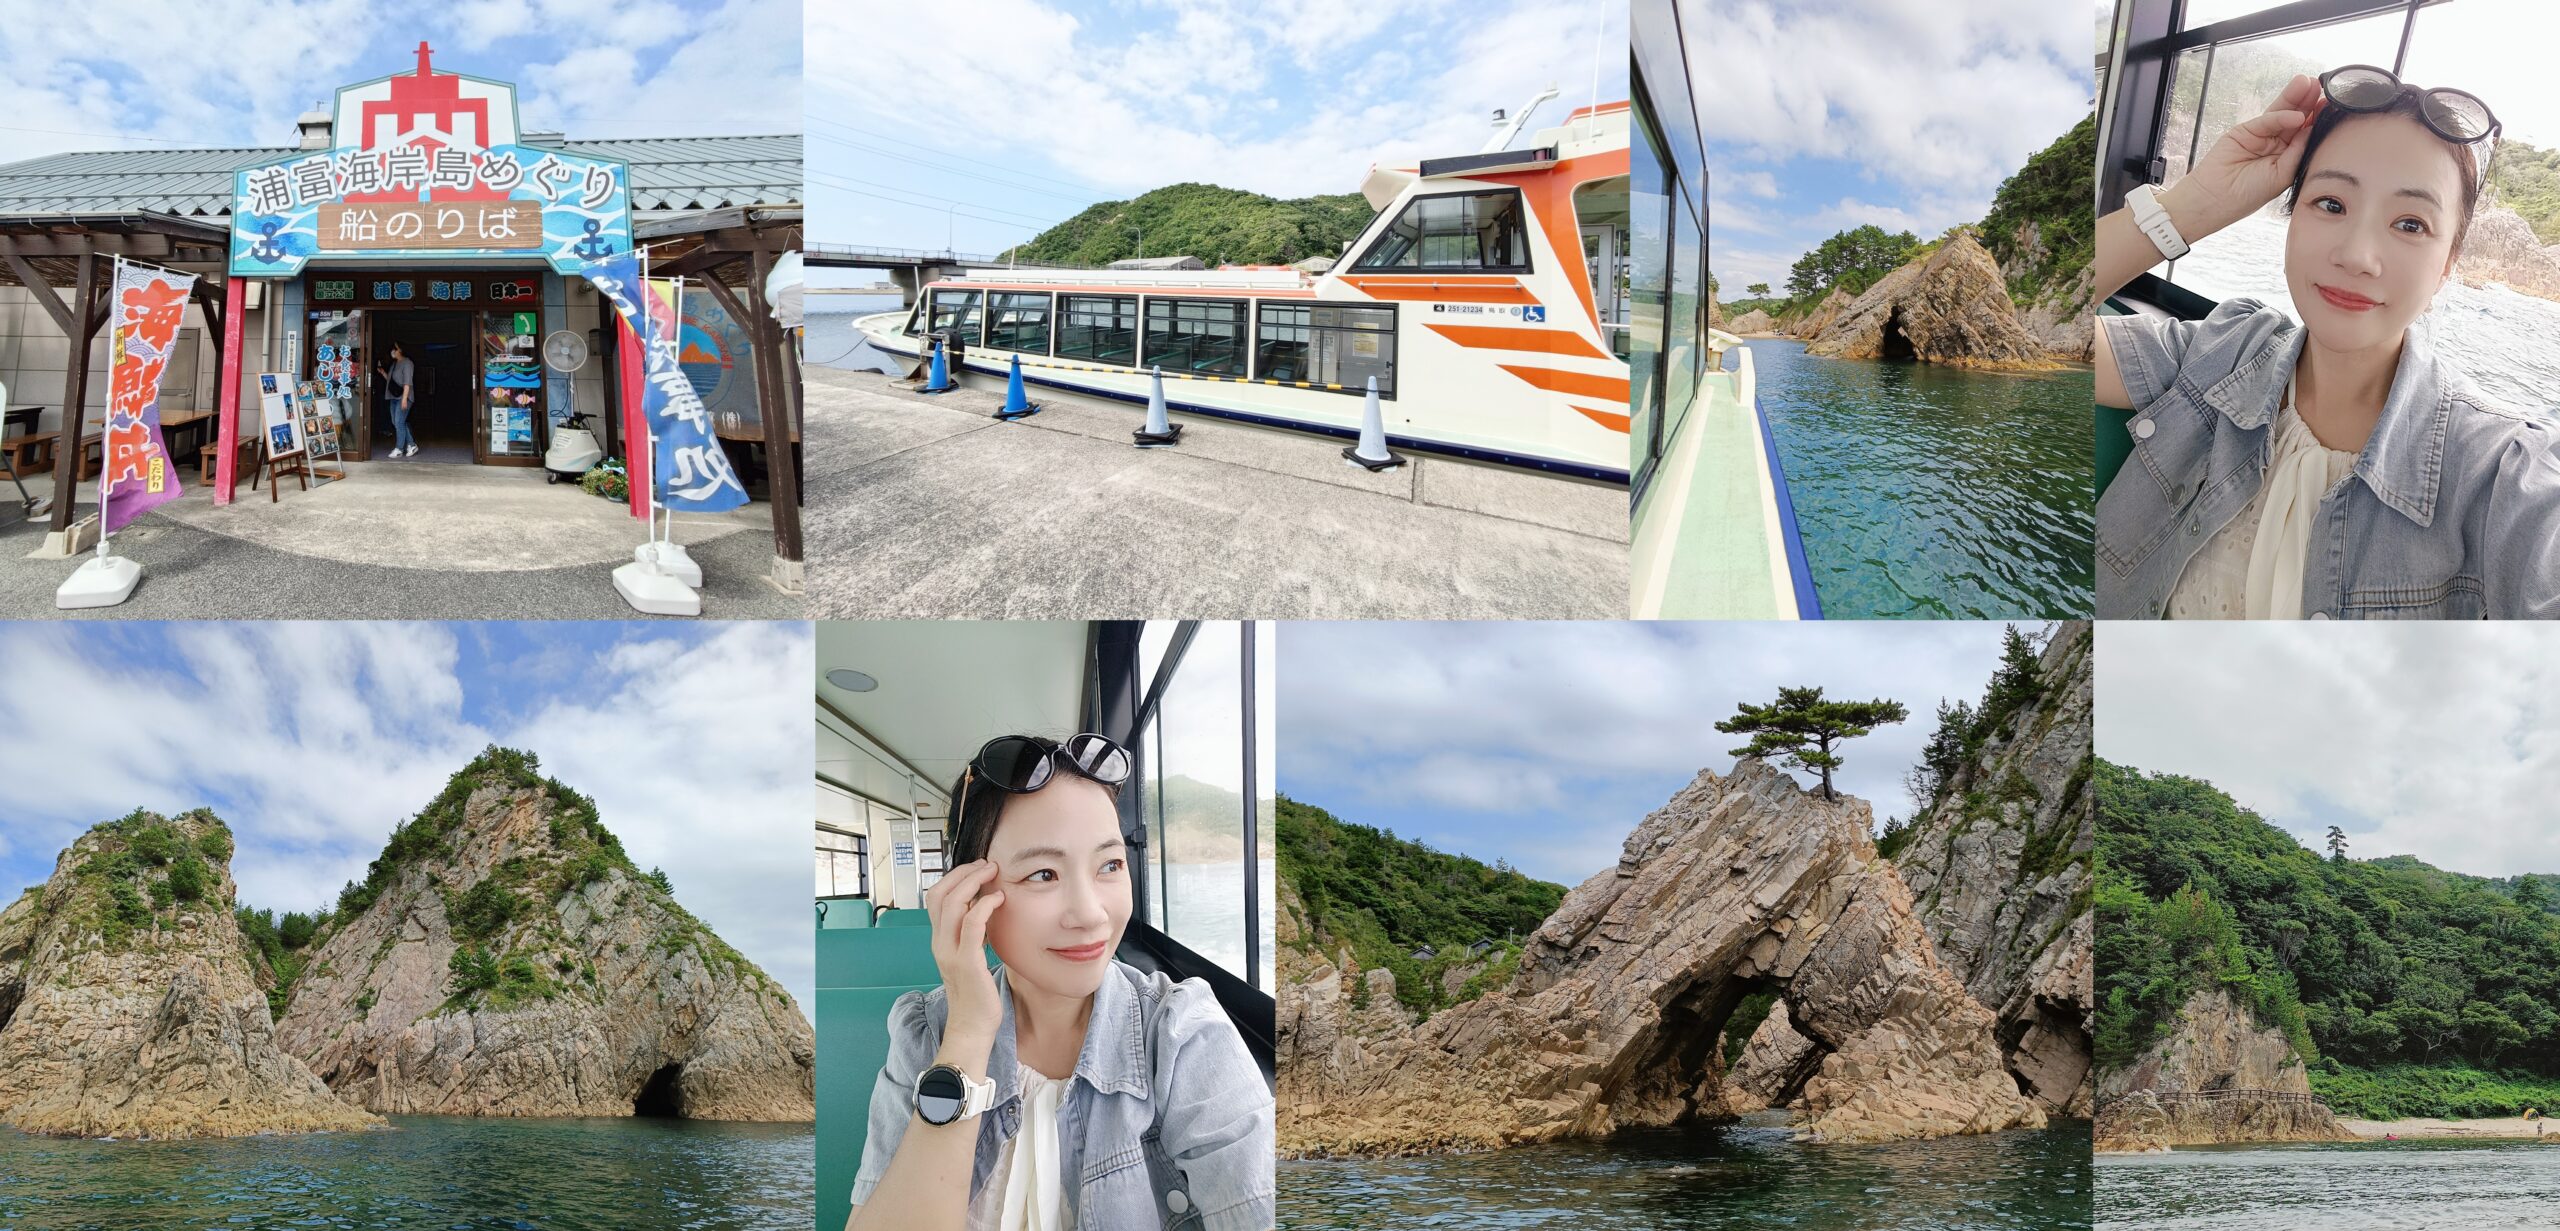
point(1800, 729)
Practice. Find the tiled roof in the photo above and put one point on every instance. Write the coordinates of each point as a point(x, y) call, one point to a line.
point(667, 173)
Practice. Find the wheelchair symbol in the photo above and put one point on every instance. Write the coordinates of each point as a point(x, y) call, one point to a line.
point(1535, 313)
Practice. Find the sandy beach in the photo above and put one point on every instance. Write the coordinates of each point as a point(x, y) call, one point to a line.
point(2511, 1126)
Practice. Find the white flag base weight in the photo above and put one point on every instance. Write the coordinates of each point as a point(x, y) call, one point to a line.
point(672, 559)
point(652, 591)
point(100, 581)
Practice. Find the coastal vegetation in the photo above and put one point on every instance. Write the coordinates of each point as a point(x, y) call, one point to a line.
point(1800, 729)
point(1217, 225)
point(2408, 989)
point(1390, 898)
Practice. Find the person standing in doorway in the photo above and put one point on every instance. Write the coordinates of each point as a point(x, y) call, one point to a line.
point(400, 379)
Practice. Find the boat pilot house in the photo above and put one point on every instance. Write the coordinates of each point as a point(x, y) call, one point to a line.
point(415, 219)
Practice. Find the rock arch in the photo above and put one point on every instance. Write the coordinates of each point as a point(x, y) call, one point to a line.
point(1614, 1020)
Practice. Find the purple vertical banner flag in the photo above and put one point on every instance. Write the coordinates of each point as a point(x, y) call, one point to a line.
point(691, 473)
point(144, 316)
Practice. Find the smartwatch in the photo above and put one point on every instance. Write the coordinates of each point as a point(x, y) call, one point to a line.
point(2154, 221)
point(945, 1094)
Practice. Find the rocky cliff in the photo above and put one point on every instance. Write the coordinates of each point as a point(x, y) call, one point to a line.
point(128, 1005)
point(1751, 322)
point(503, 957)
point(1614, 1019)
point(2502, 248)
point(2001, 870)
point(2058, 317)
point(1951, 307)
point(1811, 324)
point(2216, 1076)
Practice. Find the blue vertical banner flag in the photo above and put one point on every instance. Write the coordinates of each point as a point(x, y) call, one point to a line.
point(689, 470)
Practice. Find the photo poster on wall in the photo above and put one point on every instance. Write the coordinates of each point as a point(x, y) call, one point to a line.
point(277, 413)
point(319, 430)
point(512, 374)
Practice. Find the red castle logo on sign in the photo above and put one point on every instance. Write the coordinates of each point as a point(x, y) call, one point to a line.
point(413, 116)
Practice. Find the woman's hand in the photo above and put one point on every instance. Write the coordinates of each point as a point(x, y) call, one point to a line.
point(2252, 164)
point(958, 912)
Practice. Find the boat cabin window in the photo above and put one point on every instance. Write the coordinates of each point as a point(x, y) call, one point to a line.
point(1101, 328)
point(1204, 336)
point(915, 320)
point(1481, 231)
point(956, 312)
point(1018, 322)
point(1328, 345)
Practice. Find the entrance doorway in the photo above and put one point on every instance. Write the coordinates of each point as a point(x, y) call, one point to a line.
point(441, 347)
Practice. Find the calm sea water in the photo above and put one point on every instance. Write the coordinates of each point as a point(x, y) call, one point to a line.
point(2371, 1186)
point(432, 1172)
point(1928, 492)
point(1739, 1177)
point(2507, 343)
point(834, 342)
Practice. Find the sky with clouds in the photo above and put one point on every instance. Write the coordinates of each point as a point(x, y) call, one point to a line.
point(313, 740)
point(1545, 743)
point(976, 124)
point(1823, 115)
point(131, 74)
point(2433, 739)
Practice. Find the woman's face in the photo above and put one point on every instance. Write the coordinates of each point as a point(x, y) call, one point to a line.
point(2372, 234)
point(1065, 877)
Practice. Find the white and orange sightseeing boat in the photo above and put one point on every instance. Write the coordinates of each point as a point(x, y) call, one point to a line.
point(1487, 299)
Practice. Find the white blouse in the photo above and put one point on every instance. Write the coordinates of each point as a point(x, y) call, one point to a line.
point(2252, 568)
point(1025, 1192)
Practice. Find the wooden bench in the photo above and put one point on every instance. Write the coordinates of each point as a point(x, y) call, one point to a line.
point(29, 453)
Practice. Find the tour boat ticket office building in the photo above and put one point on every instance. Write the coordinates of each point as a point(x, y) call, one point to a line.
point(414, 211)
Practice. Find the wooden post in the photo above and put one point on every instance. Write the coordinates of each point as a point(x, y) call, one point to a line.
point(68, 451)
point(235, 292)
point(782, 475)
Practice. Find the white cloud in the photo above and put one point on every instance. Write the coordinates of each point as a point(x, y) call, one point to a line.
point(2439, 738)
point(1129, 113)
point(1749, 183)
point(1525, 718)
point(319, 738)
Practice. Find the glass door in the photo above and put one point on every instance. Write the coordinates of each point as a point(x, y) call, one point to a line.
point(506, 427)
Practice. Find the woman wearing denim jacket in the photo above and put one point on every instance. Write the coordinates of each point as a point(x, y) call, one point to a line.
point(2332, 468)
point(1086, 1092)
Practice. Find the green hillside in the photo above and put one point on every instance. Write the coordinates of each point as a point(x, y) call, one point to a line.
point(1217, 225)
point(2053, 192)
point(1384, 896)
point(2526, 179)
point(2413, 991)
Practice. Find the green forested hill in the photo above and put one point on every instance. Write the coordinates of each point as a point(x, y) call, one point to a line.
point(1384, 895)
point(2051, 191)
point(1217, 225)
point(2527, 180)
point(2413, 990)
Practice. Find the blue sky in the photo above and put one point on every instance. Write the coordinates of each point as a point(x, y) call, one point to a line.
point(126, 74)
point(1823, 115)
point(2437, 741)
point(313, 740)
point(978, 123)
point(1545, 743)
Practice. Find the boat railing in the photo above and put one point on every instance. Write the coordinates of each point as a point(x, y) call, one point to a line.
point(1744, 382)
point(2233, 1095)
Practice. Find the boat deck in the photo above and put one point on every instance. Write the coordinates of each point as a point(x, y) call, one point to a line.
point(929, 508)
point(1716, 534)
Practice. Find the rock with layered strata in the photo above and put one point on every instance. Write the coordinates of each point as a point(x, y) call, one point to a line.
point(128, 1004)
point(1950, 307)
point(504, 958)
point(1812, 323)
point(1752, 322)
point(2501, 248)
point(1613, 1020)
point(2216, 1075)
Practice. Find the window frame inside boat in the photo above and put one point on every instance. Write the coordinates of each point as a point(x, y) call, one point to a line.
point(1244, 329)
point(1048, 320)
point(1386, 234)
point(1137, 327)
point(1393, 333)
point(977, 307)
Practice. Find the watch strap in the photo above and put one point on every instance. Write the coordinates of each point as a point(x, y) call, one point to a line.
point(2154, 221)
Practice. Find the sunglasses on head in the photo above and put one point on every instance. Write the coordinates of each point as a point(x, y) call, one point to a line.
point(2455, 115)
point(1017, 765)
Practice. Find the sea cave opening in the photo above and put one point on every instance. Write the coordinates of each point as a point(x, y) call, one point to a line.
point(1895, 344)
point(1706, 1029)
point(10, 993)
point(662, 1096)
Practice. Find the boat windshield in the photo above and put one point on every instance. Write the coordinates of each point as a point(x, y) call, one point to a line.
point(1482, 231)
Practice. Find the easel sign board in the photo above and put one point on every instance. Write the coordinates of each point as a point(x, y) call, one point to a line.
point(276, 410)
point(319, 430)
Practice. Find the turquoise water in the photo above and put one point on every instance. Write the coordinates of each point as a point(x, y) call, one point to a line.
point(1927, 492)
point(833, 342)
point(431, 1172)
point(2368, 1186)
point(1741, 1177)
